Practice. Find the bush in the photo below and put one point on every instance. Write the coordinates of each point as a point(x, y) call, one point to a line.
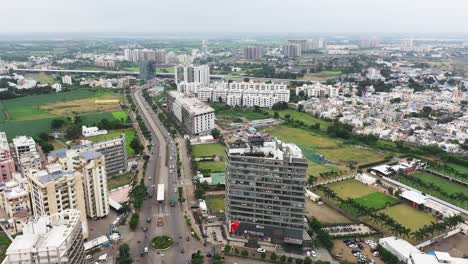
point(244, 253)
point(387, 256)
point(273, 256)
point(161, 242)
point(134, 221)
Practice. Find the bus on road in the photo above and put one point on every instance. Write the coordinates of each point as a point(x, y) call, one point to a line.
point(160, 193)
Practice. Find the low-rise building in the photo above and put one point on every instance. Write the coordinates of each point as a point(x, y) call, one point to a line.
point(92, 131)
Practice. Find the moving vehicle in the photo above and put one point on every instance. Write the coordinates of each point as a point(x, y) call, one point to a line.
point(146, 250)
point(160, 193)
point(173, 202)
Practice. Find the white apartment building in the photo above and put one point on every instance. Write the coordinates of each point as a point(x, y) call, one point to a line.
point(195, 116)
point(189, 73)
point(246, 94)
point(55, 191)
point(318, 89)
point(57, 87)
point(14, 200)
point(92, 131)
point(26, 154)
point(49, 240)
point(67, 80)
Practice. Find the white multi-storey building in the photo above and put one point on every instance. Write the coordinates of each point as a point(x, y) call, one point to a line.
point(318, 89)
point(245, 93)
point(50, 239)
point(195, 116)
point(26, 154)
point(192, 74)
point(67, 80)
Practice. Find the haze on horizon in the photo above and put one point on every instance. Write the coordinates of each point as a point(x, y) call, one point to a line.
point(211, 16)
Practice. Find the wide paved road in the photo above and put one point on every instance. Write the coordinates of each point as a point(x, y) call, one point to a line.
point(162, 161)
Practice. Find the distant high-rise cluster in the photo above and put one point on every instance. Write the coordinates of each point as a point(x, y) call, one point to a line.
point(300, 42)
point(137, 55)
point(192, 74)
point(369, 43)
point(253, 53)
point(292, 50)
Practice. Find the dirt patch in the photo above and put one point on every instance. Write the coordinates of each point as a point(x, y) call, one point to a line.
point(325, 214)
point(456, 246)
point(343, 252)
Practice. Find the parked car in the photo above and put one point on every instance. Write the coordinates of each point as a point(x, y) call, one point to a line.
point(261, 250)
point(146, 250)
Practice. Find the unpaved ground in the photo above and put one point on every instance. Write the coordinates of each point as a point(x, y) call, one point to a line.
point(456, 245)
point(325, 214)
point(341, 249)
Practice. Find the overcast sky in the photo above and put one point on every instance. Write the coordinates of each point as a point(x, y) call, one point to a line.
point(211, 16)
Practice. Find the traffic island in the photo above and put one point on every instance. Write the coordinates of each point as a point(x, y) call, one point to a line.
point(162, 242)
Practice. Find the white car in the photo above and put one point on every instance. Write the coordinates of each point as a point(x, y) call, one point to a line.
point(308, 253)
point(88, 257)
point(261, 250)
point(170, 171)
point(313, 254)
point(175, 189)
point(146, 250)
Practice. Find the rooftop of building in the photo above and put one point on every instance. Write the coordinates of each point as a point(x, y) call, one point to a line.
point(50, 177)
point(23, 140)
point(45, 233)
point(91, 155)
point(192, 104)
point(265, 147)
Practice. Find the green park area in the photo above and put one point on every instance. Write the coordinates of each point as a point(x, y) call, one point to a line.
point(324, 150)
point(376, 201)
point(42, 78)
point(129, 136)
point(408, 216)
point(351, 189)
point(215, 203)
point(207, 150)
point(302, 116)
point(211, 166)
point(430, 184)
point(32, 115)
point(322, 76)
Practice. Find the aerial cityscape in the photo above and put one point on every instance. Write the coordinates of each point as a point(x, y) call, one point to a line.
point(237, 133)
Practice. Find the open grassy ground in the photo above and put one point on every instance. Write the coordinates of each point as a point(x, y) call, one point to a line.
point(376, 201)
point(325, 214)
point(29, 107)
point(105, 103)
point(215, 204)
point(322, 76)
point(115, 182)
point(304, 117)
point(213, 166)
point(42, 78)
point(409, 217)
point(314, 145)
point(32, 115)
point(233, 113)
point(129, 136)
point(207, 150)
point(446, 185)
point(4, 243)
point(351, 189)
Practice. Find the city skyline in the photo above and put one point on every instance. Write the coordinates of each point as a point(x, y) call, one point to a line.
point(299, 16)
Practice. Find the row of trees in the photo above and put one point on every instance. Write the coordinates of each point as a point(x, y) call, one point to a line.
point(446, 168)
point(385, 221)
point(274, 258)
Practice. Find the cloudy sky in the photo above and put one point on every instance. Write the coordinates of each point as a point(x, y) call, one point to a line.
point(211, 16)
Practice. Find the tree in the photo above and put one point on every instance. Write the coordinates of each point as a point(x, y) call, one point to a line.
point(57, 123)
point(244, 253)
point(227, 249)
point(307, 260)
point(283, 259)
point(273, 256)
point(236, 251)
point(263, 255)
point(215, 133)
point(73, 132)
point(124, 254)
point(276, 115)
point(290, 260)
point(134, 221)
point(136, 145)
point(300, 108)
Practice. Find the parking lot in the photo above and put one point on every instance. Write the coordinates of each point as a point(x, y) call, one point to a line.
point(351, 250)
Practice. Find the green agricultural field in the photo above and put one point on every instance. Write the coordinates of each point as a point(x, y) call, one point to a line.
point(301, 137)
point(304, 117)
point(215, 204)
point(213, 166)
point(234, 113)
point(446, 185)
point(129, 136)
point(376, 201)
point(42, 78)
point(115, 182)
point(357, 154)
point(27, 108)
point(351, 189)
point(25, 127)
point(120, 115)
point(409, 217)
point(459, 168)
point(207, 150)
point(4, 244)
